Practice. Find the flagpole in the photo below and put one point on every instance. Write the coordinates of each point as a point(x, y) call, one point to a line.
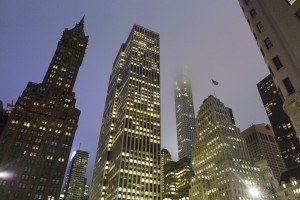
point(213, 86)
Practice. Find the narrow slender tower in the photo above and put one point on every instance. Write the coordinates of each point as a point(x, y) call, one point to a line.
point(76, 181)
point(37, 139)
point(185, 116)
point(127, 164)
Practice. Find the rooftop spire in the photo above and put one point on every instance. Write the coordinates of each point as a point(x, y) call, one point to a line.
point(82, 21)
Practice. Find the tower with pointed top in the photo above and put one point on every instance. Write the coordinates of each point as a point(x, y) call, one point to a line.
point(37, 139)
point(185, 116)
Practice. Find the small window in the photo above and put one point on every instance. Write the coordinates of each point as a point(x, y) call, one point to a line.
point(271, 71)
point(298, 14)
point(255, 36)
point(268, 43)
point(277, 62)
point(247, 2)
point(253, 13)
point(289, 86)
point(262, 52)
point(259, 27)
point(291, 2)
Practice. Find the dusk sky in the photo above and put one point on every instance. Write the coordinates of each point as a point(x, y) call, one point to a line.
point(210, 38)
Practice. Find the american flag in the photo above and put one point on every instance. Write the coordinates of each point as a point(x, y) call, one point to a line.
point(214, 82)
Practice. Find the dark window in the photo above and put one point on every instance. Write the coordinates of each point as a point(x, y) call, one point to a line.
point(262, 52)
point(259, 27)
point(277, 62)
point(255, 36)
point(298, 14)
point(246, 2)
point(253, 13)
point(289, 86)
point(270, 70)
point(268, 43)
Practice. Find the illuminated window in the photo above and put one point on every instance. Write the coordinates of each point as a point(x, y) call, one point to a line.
point(291, 2)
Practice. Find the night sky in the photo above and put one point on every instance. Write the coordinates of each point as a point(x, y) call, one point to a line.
point(210, 38)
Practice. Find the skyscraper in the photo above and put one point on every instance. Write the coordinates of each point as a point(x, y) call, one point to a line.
point(275, 26)
point(284, 132)
point(261, 144)
point(221, 160)
point(76, 181)
point(185, 116)
point(165, 157)
point(37, 139)
point(177, 177)
point(127, 164)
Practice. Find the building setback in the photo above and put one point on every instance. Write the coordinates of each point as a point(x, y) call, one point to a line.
point(76, 181)
point(275, 26)
point(261, 144)
point(285, 134)
point(127, 164)
point(223, 169)
point(185, 116)
point(37, 139)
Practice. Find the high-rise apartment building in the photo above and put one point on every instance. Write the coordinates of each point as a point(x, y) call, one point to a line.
point(177, 178)
point(185, 116)
point(165, 157)
point(127, 164)
point(223, 169)
point(284, 132)
point(76, 181)
point(275, 26)
point(261, 144)
point(37, 139)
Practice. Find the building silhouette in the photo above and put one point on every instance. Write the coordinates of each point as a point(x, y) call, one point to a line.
point(75, 185)
point(3, 117)
point(275, 26)
point(261, 144)
point(185, 116)
point(285, 134)
point(127, 163)
point(223, 169)
point(37, 139)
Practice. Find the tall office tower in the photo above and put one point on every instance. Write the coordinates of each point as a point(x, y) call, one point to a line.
point(275, 25)
point(177, 179)
point(165, 157)
point(127, 164)
point(223, 169)
point(261, 144)
point(37, 139)
point(76, 181)
point(283, 129)
point(185, 116)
